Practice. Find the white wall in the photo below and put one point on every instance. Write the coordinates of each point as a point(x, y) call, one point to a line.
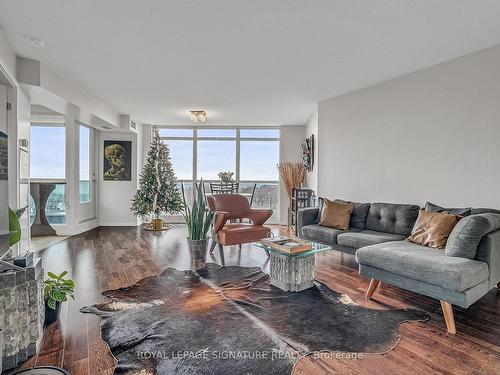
point(431, 135)
point(291, 139)
point(7, 57)
point(312, 129)
point(115, 196)
point(47, 88)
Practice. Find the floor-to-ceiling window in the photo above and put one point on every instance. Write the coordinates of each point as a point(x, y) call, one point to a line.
point(252, 154)
point(48, 170)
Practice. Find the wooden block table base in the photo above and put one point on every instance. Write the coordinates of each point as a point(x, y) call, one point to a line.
point(292, 274)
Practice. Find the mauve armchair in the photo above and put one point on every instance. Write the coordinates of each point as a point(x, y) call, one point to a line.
point(234, 207)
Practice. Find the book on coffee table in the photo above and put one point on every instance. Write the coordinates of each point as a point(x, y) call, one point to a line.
point(287, 244)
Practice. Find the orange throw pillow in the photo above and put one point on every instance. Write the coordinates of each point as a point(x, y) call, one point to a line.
point(336, 214)
point(433, 228)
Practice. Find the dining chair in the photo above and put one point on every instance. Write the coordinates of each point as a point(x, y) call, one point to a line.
point(222, 188)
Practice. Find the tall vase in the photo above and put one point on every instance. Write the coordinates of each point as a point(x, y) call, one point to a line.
point(198, 253)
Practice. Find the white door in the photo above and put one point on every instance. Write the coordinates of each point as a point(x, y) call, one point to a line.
point(87, 180)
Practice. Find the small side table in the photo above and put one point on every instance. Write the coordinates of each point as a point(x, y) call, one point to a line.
point(293, 272)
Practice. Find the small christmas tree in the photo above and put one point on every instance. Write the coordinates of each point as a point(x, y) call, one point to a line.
point(158, 192)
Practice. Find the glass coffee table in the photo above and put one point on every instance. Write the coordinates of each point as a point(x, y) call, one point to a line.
point(293, 272)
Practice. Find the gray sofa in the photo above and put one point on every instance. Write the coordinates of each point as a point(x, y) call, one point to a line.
point(460, 274)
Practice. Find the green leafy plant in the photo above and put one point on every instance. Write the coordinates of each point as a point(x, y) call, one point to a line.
point(14, 225)
point(199, 217)
point(58, 289)
point(226, 177)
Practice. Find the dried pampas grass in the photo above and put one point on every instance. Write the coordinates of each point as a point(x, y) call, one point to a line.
point(292, 175)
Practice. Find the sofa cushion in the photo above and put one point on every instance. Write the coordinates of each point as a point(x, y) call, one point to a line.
point(366, 238)
point(321, 234)
point(425, 264)
point(454, 211)
point(336, 214)
point(358, 215)
point(392, 218)
point(465, 237)
point(433, 228)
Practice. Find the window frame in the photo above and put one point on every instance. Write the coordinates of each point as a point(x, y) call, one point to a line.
point(55, 181)
point(90, 163)
point(238, 139)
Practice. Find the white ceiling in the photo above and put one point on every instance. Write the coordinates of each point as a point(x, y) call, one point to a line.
point(244, 61)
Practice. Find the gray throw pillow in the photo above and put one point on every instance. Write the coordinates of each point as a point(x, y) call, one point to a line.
point(358, 215)
point(465, 237)
point(453, 211)
point(320, 207)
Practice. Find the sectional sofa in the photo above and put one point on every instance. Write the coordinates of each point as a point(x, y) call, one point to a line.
point(460, 274)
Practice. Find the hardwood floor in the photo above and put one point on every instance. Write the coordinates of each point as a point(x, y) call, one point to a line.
point(108, 258)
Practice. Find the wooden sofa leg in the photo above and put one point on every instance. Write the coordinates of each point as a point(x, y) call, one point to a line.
point(371, 288)
point(448, 316)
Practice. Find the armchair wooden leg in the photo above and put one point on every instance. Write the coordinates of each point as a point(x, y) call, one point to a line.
point(448, 316)
point(221, 253)
point(239, 246)
point(371, 288)
point(212, 246)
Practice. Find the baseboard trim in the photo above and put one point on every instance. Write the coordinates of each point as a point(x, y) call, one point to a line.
point(117, 224)
point(84, 227)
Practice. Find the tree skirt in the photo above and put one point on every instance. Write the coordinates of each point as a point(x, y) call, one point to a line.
point(230, 320)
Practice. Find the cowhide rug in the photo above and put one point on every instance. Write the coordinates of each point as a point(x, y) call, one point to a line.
point(230, 320)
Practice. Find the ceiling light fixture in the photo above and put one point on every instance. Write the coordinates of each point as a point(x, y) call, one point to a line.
point(198, 116)
point(35, 42)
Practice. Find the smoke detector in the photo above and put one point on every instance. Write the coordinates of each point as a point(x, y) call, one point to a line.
point(35, 42)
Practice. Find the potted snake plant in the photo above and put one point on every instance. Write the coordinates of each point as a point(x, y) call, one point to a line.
point(198, 220)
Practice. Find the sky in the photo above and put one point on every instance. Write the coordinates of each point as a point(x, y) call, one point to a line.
point(258, 159)
point(47, 152)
